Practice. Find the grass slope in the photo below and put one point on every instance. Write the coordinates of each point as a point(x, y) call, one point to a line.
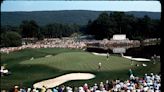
point(26, 72)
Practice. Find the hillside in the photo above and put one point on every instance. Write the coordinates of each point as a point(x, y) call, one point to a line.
point(80, 17)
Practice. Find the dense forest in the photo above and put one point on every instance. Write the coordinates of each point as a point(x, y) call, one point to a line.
point(104, 26)
point(79, 17)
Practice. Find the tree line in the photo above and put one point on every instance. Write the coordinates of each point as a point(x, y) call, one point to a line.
point(105, 26)
point(30, 29)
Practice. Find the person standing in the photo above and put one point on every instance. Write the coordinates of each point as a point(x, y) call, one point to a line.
point(155, 58)
point(130, 72)
point(107, 55)
point(43, 89)
point(16, 89)
point(99, 66)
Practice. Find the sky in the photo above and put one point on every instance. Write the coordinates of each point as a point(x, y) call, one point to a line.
point(151, 6)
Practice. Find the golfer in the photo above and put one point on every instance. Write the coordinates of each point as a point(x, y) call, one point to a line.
point(107, 56)
point(99, 66)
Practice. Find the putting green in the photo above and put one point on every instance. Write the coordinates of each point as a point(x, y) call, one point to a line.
point(81, 61)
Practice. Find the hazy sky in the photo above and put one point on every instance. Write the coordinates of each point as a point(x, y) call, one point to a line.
point(153, 6)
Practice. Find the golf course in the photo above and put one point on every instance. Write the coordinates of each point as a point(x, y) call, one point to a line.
point(29, 66)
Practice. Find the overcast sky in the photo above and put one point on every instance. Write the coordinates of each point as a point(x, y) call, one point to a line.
point(153, 6)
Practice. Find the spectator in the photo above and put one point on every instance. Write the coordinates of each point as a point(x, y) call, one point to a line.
point(55, 90)
point(107, 85)
point(43, 89)
point(81, 89)
point(130, 72)
point(16, 89)
point(49, 90)
point(75, 89)
point(85, 87)
point(143, 84)
point(101, 86)
point(95, 87)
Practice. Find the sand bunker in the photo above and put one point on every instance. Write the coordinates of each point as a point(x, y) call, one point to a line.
point(136, 59)
point(50, 83)
point(128, 57)
point(102, 54)
point(48, 55)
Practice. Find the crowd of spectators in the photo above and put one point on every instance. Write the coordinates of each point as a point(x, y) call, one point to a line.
point(48, 43)
point(147, 83)
point(65, 42)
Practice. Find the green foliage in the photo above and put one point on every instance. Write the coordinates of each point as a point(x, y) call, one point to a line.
point(59, 30)
point(29, 28)
point(79, 17)
point(10, 39)
point(10, 28)
point(104, 26)
point(120, 23)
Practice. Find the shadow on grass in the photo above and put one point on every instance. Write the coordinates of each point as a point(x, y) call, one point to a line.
point(27, 75)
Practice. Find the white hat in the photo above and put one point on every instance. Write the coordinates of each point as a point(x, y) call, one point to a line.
point(15, 86)
point(67, 88)
point(107, 81)
point(80, 88)
point(85, 84)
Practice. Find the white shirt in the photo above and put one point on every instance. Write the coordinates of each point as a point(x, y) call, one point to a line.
point(5, 71)
point(99, 64)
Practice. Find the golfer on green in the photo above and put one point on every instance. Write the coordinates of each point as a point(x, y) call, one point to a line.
point(99, 66)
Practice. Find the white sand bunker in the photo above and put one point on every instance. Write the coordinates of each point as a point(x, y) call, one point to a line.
point(50, 83)
point(48, 55)
point(99, 54)
point(136, 59)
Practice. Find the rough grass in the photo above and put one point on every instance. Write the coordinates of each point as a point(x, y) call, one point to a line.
point(26, 72)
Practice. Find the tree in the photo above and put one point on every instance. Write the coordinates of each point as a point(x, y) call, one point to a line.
point(10, 39)
point(6, 28)
point(29, 28)
point(120, 23)
point(40, 35)
point(119, 19)
point(60, 30)
point(100, 26)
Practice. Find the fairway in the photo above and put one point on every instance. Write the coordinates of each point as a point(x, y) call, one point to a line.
point(26, 72)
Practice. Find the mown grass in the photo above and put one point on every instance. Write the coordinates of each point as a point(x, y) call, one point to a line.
point(26, 72)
